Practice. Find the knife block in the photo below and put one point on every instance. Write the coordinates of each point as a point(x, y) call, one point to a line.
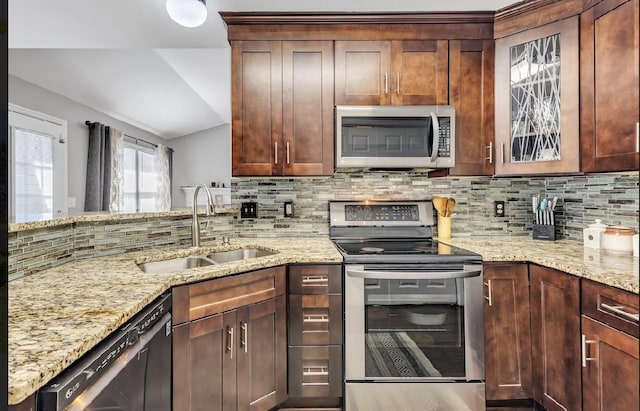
point(544, 232)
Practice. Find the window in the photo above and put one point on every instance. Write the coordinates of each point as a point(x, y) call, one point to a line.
point(140, 178)
point(37, 165)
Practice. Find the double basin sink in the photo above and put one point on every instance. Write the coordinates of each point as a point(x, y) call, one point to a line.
point(194, 261)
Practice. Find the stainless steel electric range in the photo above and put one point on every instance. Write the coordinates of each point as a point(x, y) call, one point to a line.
point(413, 311)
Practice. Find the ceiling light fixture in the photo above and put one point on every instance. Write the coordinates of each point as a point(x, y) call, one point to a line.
point(187, 13)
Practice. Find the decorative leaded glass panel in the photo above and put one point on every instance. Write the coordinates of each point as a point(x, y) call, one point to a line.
point(535, 100)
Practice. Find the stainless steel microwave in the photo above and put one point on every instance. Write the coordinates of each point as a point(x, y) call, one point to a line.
point(386, 137)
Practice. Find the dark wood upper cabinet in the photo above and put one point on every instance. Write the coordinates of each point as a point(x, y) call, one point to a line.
point(609, 66)
point(399, 72)
point(282, 108)
point(471, 88)
point(555, 334)
point(507, 332)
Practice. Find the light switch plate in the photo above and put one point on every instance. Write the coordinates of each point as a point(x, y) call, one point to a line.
point(288, 209)
point(249, 210)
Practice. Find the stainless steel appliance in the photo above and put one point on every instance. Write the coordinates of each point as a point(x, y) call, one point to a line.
point(129, 371)
point(416, 137)
point(413, 311)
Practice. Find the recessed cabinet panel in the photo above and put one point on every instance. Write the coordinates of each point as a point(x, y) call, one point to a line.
point(536, 112)
point(315, 371)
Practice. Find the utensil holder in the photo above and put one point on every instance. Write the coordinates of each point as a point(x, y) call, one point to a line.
point(544, 232)
point(444, 228)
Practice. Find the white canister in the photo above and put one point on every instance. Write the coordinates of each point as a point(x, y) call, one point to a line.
point(592, 235)
point(618, 238)
point(635, 245)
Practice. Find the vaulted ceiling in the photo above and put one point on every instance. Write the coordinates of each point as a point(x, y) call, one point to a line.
point(128, 59)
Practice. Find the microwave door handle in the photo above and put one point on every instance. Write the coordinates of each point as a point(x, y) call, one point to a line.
point(435, 126)
point(412, 275)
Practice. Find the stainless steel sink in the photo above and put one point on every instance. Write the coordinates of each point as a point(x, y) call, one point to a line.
point(175, 264)
point(194, 261)
point(239, 254)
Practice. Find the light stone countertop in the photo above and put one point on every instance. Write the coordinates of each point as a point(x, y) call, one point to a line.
point(58, 315)
point(102, 216)
point(607, 267)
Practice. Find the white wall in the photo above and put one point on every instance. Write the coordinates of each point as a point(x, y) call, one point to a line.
point(29, 95)
point(201, 157)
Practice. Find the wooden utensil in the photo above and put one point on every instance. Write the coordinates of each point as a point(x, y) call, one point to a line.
point(451, 204)
point(440, 203)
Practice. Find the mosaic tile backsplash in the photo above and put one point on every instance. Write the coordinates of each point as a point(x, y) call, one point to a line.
point(610, 197)
point(613, 198)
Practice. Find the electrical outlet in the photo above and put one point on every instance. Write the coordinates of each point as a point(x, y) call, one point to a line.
point(498, 208)
point(288, 209)
point(249, 210)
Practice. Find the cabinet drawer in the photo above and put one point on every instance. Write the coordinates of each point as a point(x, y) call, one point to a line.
point(315, 319)
point(315, 279)
point(315, 371)
point(612, 306)
point(194, 301)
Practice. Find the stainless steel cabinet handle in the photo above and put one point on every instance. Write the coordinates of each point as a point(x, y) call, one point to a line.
point(398, 83)
point(584, 351)
point(637, 135)
point(230, 341)
point(488, 296)
point(490, 148)
point(315, 318)
point(276, 153)
point(617, 309)
point(502, 152)
point(386, 83)
point(244, 331)
point(315, 280)
point(288, 162)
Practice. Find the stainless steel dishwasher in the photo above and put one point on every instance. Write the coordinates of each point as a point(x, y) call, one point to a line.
point(129, 371)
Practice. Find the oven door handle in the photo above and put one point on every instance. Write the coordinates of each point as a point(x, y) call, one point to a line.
point(412, 275)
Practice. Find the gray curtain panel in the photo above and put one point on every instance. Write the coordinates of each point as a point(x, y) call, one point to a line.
point(97, 195)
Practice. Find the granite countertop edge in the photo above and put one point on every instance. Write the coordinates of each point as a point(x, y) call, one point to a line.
point(82, 302)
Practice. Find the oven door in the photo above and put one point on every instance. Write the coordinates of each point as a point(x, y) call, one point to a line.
point(413, 323)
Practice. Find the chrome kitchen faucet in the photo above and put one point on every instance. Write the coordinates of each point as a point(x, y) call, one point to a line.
point(195, 226)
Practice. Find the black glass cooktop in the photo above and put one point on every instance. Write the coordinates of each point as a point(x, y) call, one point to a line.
point(402, 251)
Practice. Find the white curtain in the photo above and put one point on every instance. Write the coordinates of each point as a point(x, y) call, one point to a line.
point(116, 200)
point(162, 195)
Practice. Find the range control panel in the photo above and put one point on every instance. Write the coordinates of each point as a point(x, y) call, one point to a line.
point(381, 212)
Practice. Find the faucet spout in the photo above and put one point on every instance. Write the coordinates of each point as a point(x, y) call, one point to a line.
point(195, 225)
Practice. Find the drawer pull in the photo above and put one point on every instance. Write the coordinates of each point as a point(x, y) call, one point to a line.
point(618, 309)
point(584, 351)
point(318, 318)
point(315, 280)
point(488, 296)
point(315, 371)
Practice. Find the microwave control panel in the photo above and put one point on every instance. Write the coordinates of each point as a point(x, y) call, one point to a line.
point(444, 147)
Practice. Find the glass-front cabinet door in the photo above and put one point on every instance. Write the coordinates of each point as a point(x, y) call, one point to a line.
point(537, 100)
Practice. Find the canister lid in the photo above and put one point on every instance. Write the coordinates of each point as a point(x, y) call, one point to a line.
point(598, 225)
point(619, 230)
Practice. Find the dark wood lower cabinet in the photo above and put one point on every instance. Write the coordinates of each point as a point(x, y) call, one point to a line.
point(609, 369)
point(507, 332)
point(555, 333)
point(235, 360)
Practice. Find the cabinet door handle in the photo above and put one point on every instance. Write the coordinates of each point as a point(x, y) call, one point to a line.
point(584, 351)
point(637, 135)
point(386, 82)
point(288, 162)
point(276, 153)
point(502, 153)
point(490, 148)
point(230, 341)
point(488, 296)
point(398, 83)
point(244, 332)
point(618, 309)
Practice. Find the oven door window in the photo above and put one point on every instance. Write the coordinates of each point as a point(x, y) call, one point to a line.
point(414, 328)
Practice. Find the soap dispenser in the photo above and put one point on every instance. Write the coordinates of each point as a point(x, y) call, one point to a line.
point(593, 234)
